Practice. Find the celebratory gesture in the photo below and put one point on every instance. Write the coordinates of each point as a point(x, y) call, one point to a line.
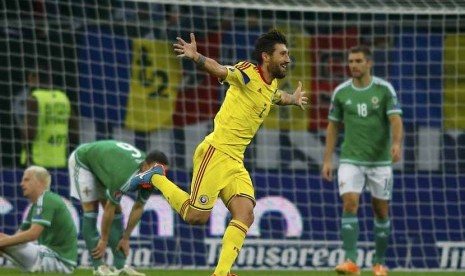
point(277, 68)
point(219, 170)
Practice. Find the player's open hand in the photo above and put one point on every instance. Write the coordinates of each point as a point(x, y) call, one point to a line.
point(123, 245)
point(184, 49)
point(99, 250)
point(300, 99)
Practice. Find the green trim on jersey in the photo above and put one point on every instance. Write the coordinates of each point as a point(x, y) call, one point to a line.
point(59, 232)
point(365, 113)
point(41, 222)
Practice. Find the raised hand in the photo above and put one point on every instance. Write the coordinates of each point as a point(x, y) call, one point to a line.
point(184, 49)
point(300, 99)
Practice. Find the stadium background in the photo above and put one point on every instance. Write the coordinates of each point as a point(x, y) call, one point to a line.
point(114, 60)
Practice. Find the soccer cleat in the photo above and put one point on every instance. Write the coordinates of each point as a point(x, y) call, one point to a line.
point(104, 270)
point(230, 274)
point(379, 270)
point(158, 169)
point(129, 270)
point(143, 180)
point(347, 268)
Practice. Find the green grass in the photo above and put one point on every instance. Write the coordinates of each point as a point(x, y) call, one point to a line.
point(156, 272)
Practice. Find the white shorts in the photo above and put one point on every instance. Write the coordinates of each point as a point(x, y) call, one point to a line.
point(31, 257)
point(378, 180)
point(83, 184)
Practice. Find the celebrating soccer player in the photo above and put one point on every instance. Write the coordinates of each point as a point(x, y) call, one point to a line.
point(371, 114)
point(218, 161)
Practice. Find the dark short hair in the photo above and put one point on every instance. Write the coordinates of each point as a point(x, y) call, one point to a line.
point(156, 157)
point(266, 44)
point(362, 49)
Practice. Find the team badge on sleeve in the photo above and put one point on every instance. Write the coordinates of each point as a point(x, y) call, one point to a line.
point(203, 199)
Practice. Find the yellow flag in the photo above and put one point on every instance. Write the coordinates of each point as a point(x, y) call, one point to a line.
point(155, 76)
point(454, 82)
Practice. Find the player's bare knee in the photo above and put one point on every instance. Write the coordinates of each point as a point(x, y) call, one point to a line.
point(241, 209)
point(250, 218)
point(380, 209)
point(197, 217)
point(196, 220)
point(350, 206)
point(246, 217)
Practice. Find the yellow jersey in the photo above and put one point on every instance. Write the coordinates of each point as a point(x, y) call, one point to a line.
point(246, 105)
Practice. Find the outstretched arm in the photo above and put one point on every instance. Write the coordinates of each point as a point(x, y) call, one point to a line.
point(185, 49)
point(298, 98)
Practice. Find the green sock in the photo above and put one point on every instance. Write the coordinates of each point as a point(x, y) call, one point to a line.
point(91, 235)
point(116, 232)
point(382, 231)
point(349, 234)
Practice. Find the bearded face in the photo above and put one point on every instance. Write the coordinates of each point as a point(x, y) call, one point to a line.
point(279, 61)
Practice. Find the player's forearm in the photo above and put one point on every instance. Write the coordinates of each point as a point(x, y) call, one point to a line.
point(18, 238)
point(107, 220)
point(287, 99)
point(210, 66)
point(397, 129)
point(331, 140)
point(134, 218)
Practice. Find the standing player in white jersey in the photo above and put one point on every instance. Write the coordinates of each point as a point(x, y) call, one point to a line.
point(371, 114)
point(100, 172)
point(48, 222)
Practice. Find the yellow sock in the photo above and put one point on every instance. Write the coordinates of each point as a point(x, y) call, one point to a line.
point(176, 197)
point(233, 240)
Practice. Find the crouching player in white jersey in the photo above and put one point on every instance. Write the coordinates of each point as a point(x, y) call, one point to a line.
point(100, 172)
point(48, 222)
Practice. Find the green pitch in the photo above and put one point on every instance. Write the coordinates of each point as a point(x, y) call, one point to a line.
point(157, 272)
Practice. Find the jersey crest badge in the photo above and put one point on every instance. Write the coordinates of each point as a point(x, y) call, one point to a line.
point(203, 199)
point(375, 101)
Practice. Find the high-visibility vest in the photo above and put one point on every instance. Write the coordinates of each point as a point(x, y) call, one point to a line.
point(49, 148)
